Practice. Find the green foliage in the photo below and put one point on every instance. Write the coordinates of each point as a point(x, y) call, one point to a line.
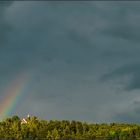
point(34, 129)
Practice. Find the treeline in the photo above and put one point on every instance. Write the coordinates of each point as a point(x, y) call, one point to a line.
point(34, 129)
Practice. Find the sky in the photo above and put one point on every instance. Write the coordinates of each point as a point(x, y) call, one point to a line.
point(83, 59)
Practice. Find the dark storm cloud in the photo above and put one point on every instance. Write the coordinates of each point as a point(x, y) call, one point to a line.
point(130, 71)
point(57, 38)
point(57, 81)
point(123, 22)
point(122, 54)
point(66, 48)
point(5, 27)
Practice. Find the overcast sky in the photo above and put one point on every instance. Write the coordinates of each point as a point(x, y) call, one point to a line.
point(83, 58)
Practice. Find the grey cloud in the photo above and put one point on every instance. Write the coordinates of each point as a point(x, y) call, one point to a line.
point(128, 32)
point(130, 114)
point(128, 71)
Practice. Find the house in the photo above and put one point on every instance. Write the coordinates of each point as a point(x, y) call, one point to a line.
point(24, 121)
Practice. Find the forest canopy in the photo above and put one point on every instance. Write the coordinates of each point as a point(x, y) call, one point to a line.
point(32, 128)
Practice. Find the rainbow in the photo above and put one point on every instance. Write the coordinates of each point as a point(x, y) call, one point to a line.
point(14, 94)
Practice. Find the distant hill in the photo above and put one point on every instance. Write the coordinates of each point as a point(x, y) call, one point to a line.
point(31, 128)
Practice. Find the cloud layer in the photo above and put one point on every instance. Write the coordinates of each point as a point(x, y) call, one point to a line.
point(83, 58)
